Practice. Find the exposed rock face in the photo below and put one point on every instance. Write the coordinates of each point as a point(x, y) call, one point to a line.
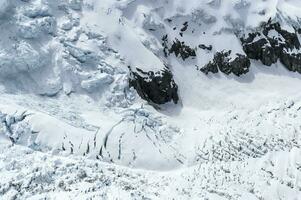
point(292, 61)
point(273, 43)
point(204, 47)
point(180, 49)
point(222, 62)
point(155, 87)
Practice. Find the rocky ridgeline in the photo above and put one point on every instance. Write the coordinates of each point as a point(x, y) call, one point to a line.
point(272, 43)
point(222, 62)
point(269, 44)
point(82, 69)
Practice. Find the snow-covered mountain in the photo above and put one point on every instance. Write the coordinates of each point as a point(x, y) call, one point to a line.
point(150, 99)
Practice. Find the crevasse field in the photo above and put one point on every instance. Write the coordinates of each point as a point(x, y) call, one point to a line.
point(139, 99)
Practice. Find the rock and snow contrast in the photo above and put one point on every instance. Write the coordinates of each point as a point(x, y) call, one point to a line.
point(150, 99)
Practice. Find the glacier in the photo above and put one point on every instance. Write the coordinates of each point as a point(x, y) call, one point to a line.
point(150, 99)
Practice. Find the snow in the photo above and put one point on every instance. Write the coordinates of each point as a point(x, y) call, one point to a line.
point(22, 58)
point(4, 4)
point(49, 176)
point(89, 136)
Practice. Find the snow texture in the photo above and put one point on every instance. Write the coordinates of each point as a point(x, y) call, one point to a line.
point(71, 127)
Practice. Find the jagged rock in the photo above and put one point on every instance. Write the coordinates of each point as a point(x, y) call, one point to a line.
point(222, 61)
point(155, 87)
point(210, 67)
point(256, 51)
point(185, 26)
point(202, 46)
point(183, 29)
point(292, 61)
point(273, 43)
point(180, 49)
point(165, 45)
point(240, 65)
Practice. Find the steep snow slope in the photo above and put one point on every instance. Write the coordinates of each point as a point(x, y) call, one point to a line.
point(92, 88)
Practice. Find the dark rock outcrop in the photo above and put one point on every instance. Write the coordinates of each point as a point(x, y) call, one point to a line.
point(154, 87)
point(204, 47)
point(292, 61)
point(272, 43)
point(185, 26)
point(180, 49)
point(222, 62)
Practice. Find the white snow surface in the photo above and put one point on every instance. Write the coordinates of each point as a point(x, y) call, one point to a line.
point(87, 135)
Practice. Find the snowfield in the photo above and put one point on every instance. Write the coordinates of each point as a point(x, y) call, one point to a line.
point(79, 111)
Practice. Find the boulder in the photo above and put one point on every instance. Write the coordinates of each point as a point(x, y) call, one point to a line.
point(154, 87)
